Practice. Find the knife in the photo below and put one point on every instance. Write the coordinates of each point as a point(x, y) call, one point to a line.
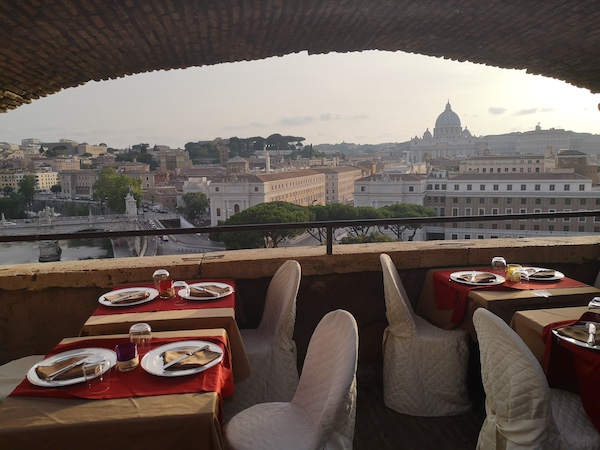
point(53, 375)
point(592, 334)
point(124, 297)
point(187, 355)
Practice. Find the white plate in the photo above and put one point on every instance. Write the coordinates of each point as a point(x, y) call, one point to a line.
point(576, 341)
point(455, 277)
point(557, 275)
point(182, 293)
point(33, 377)
point(152, 296)
point(153, 361)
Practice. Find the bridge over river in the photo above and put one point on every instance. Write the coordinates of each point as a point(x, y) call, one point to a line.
point(50, 250)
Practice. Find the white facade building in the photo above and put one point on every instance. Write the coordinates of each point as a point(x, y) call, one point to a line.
point(384, 189)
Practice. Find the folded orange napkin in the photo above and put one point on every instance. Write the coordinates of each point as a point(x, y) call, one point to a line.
point(127, 297)
point(479, 278)
point(577, 332)
point(45, 371)
point(208, 291)
point(196, 360)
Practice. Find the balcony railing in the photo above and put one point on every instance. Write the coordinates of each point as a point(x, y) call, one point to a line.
point(329, 226)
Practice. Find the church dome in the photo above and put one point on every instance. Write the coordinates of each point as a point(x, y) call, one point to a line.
point(427, 134)
point(447, 124)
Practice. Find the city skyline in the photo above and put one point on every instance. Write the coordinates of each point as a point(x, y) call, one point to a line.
point(364, 98)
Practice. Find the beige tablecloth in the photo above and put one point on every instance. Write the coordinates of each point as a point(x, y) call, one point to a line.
point(185, 319)
point(165, 421)
point(503, 303)
point(530, 324)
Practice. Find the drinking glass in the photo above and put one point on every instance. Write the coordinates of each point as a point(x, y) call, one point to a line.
point(181, 286)
point(510, 268)
point(140, 334)
point(127, 356)
point(163, 284)
point(520, 275)
point(499, 264)
point(96, 372)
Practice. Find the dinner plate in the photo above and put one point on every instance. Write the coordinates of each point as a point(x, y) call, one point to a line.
point(578, 342)
point(152, 296)
point(456, 276)
point(557, 275)
point(153, 361)
point(182, 292)
point(34, 379)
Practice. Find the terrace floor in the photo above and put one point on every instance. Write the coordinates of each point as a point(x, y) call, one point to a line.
point(378, 427)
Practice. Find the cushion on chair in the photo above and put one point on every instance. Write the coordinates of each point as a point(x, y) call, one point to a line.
point(424, 367)
point(521, 410)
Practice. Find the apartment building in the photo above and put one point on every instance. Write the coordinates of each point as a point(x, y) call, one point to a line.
point(339, 183)
point(78, 182)
point(383, 189)
point(533, 163)
point(489, 194)
point(44, 180)
point(234, 193)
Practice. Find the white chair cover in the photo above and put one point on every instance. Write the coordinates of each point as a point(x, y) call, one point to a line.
point(270, 348)
point(13, 372)
point(424, 367)
point(522, 412)
point(319, 406)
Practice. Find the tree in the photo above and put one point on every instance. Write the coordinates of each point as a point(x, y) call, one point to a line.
point(27, 188)
point(111, 189)
point(272, 212)
point(400, 210)
point(367, 239)
point(195, 205)
point(7, 190)
point(331, 211)
point(13, 206)
point(364, 212)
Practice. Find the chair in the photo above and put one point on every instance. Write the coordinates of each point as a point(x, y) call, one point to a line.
point(270, 348)
point(424, 367)
point(521, 409)
point(13, 372)
point(321, 413)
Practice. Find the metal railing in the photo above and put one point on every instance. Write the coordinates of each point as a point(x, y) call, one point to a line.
point(329, 226)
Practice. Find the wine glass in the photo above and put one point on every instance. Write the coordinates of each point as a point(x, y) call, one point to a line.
point(182, 290)
point(499, 264)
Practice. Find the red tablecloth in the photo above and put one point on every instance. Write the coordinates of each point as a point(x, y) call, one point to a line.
point(450, 295)
point(169, 304)
point(574, 368)
point(138, 382)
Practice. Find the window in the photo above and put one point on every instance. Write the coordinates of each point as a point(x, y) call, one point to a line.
point(456, 187)
point(468, 211)
point(255, 190)
point(218, 211)
point(469, 187)
point(481, 200)
point(581, 219)
point(551, 211)
point(444, 187)
point(537, 210)
point(495, 200)
point(567, 201)
point(480, 226)
point(566, 228)
point(482, 187)
point(410, 189)
point(536, 227)
point(582, 187)
point(523, 201)
point(523, 187)
point(216, 189)
point(481, 211)
point(538, 201)
point(566, 219)
point(550, 227)
point(362, 189)
point(483, 170)
point(455, 211)
point(494, 210)
point(236, 209)
point(496, 187)
point(581, 228)
point(509, 187)
point(567, 187)
point(538, 187)
point(507, 226)
point(454, 237)
point(522, 211)
point(552, 187)
point(508, 211)
point(508, 201)
point(468, 200)
point(553, 201)
point(437, 187)
point(582, 201)
point(429, 187)
point(467, 236)
point(454, 200)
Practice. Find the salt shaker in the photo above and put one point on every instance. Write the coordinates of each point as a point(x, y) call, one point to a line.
point(163, 284)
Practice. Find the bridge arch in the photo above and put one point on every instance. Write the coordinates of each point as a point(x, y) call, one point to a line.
point(47, 46)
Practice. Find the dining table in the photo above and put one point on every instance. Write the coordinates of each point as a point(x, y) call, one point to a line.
point(449, 304)
point(139, 410)
point(171, 314)
point(558, 339)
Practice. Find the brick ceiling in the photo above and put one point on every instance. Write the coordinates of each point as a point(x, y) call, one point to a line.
point(49, 45)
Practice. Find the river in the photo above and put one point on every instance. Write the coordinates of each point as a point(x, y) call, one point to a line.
point(28, 252)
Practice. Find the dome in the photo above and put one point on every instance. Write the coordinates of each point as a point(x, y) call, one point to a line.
point(427, 134)
point(448, 118)
point(447, 125)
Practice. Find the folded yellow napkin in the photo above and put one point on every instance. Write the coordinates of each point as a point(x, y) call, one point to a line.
point(545, 273)
point(45, 371)
point(577, 332)
point(196, 360)
point(127, 297)
point(479, 278)
point(208, 291)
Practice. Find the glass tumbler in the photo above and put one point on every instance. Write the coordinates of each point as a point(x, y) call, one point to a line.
point(127, 356)
point(499, 264)
point(96, 372)
point(140, 334)
point(182, 290)
point(163, 284)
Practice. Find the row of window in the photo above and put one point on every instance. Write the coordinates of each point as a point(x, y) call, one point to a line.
point(496, 211)
point(496, 187)
point(523, 201)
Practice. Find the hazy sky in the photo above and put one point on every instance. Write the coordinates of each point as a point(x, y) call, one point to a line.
point(364, 98)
